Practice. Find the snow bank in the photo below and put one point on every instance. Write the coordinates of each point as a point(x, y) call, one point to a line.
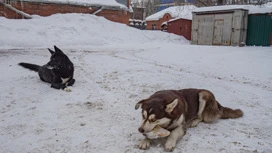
point(75, 30)
point(175, 11)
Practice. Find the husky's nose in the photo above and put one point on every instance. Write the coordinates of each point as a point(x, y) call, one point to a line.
point(141, 130)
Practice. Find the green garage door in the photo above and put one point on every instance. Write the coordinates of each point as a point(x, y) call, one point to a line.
point(259, 30)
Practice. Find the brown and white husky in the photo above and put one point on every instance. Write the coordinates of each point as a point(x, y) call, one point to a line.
point(176, 110)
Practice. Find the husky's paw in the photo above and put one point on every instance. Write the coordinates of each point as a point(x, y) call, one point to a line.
point(145, 144)
point(195, 122)
point(170, 146)
point(67, 89)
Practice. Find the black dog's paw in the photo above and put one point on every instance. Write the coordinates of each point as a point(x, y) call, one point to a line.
point(57, 86)
point(71, 82)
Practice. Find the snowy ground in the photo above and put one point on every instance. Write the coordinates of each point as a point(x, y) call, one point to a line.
point(111, 77)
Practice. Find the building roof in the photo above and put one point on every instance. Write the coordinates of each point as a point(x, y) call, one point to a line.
point(175, 11)
point(98, 3)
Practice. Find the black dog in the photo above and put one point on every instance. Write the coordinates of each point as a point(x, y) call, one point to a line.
point(59, 71)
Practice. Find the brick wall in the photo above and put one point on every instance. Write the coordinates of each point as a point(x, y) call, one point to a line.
point(46, 9)
point(159, 22)
point(181, 27)
point(115, 15)
point(6, 12)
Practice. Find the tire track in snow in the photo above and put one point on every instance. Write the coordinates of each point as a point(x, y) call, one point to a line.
point(245, 81)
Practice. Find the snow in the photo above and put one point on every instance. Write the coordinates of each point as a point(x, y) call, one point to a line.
point(260, 11)
point(111, 3)
point(253, 9)
point(78, 30)
point(115, 67)
point(175, 19)
point(175, 11)
point(269, 4)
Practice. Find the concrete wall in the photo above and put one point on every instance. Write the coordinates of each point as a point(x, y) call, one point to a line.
point(219, 28)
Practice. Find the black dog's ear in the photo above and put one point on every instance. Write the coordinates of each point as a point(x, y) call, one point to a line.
point(57, 50)
point(51, 51)
point(140, 103)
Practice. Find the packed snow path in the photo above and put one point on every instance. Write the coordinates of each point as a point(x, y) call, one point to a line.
point(99, 116)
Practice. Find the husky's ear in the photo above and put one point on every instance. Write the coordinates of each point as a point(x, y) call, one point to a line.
point(51, 51)
point(170, 107)
point(58, 50)
point(139, 104)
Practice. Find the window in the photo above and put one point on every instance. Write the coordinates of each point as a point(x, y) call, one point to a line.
point(153, 26)
point(7, 1)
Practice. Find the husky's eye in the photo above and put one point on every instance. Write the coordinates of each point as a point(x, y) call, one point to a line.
point(153, 120)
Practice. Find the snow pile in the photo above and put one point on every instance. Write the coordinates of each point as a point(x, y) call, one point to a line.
point(75, 30)
point(175, 11)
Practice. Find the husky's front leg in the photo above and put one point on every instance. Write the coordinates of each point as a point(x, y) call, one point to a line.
point(175, 135)
point(145, 144)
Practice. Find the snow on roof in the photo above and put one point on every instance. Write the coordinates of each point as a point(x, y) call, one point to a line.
point(99, 3)
point(179, 18)
point(260, 10)
point(266, 8)
point(269, 4)
point(164, 23)
point(220, 8)
point(252, 9)
point(175, 11)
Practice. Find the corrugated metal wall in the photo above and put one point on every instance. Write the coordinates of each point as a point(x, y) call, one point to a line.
point(259, 31)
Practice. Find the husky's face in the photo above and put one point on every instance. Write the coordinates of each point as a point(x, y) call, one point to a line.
point(155, 112)
point(57, 59)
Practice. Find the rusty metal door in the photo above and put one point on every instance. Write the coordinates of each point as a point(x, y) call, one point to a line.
point(222, 29)
point(205, 29)
point(218, 32)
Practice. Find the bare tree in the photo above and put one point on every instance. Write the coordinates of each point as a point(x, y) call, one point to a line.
point(179, 2)
point(151, 6)
point(201, 3)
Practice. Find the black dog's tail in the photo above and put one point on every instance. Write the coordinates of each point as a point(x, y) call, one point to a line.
point(32, 67)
